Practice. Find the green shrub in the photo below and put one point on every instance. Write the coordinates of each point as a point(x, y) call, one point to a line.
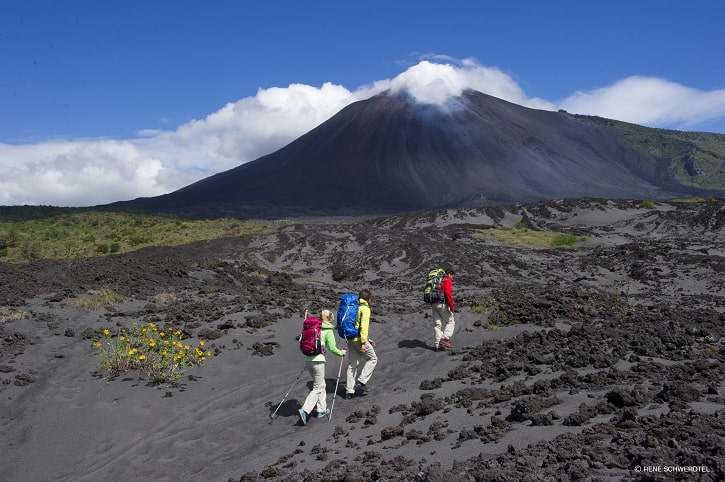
point(648, 205)
point(159, 354)
point(30, 250)
point(564, 240)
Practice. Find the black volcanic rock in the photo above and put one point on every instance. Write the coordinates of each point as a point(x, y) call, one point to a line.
point(389, 153)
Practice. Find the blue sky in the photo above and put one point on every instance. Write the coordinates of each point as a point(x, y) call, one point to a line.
point(109, 100)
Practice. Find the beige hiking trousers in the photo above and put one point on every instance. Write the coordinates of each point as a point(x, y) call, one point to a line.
point(444, 322)
point(368, 359)
point(317, 398)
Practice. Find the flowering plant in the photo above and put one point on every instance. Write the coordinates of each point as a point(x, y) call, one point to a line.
point(159, 353)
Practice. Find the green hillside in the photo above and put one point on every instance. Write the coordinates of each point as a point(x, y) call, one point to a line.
point(28, 233)
point(697, 158)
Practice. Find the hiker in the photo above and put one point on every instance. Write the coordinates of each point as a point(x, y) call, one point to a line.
point(362, 349)
point(315, 364)
point(443, 313)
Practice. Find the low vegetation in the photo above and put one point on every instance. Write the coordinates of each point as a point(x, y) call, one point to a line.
point(697, 157)
point(158, 353)
point(95, 299)
point(695, 199)
point(10, 314)
point(521, 236)
point(27, 233)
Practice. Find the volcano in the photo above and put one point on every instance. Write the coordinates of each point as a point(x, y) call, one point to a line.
point(390, 153)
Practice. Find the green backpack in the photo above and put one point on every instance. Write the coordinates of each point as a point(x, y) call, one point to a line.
point(432, 292)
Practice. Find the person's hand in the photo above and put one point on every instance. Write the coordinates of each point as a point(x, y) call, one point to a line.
point(363, 348)
point(344, 352)
point(372, 343)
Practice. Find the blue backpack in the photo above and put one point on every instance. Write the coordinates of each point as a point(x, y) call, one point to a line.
point(347, 316)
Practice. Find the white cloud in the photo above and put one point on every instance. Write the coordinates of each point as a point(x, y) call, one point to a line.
point(649, 101)
point(87, 172)
point(435, 83)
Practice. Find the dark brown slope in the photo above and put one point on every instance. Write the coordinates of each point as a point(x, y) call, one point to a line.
point(389, 153)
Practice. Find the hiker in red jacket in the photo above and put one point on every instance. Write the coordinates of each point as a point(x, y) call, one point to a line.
point(443, 313)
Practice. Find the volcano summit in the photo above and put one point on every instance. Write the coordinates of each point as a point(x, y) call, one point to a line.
point(390, 153)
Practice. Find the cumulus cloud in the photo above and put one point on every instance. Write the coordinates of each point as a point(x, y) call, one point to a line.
point(649, 101)
point(86, 172)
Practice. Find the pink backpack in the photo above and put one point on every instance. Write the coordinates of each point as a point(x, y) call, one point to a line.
point(311, 338)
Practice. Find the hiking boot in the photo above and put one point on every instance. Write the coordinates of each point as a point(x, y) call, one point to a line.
point(303, 416)
point(445, 342)
point(324, 413)
point(348, 396)
point(361, 388)
point(440, 348)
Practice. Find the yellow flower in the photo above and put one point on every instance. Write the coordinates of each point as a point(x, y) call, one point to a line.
point(162, 333)
point(187, 347)
point(152, 343)
point(201, 342)
point(132, 351)
point(121, 337)
point(208, 353)
point(142, 357)
point(106, 332)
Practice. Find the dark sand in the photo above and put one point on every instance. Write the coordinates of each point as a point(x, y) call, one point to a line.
point(602, 360)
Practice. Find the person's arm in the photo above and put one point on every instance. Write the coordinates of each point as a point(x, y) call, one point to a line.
point(448, 293)
point(364, 323)
point(331, 345)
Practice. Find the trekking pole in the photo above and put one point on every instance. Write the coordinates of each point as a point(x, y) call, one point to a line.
point(337, 383)
point(285, 395)
point(290, 388)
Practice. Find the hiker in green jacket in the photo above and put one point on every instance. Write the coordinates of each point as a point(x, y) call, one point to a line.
point(362, 349)
point(315, 364)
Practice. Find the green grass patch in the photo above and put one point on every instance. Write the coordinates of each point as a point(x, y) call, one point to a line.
point(523, 237)
point(695, 199)
point(27, 235)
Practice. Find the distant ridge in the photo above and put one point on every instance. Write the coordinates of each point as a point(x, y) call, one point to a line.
point(389, 153)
